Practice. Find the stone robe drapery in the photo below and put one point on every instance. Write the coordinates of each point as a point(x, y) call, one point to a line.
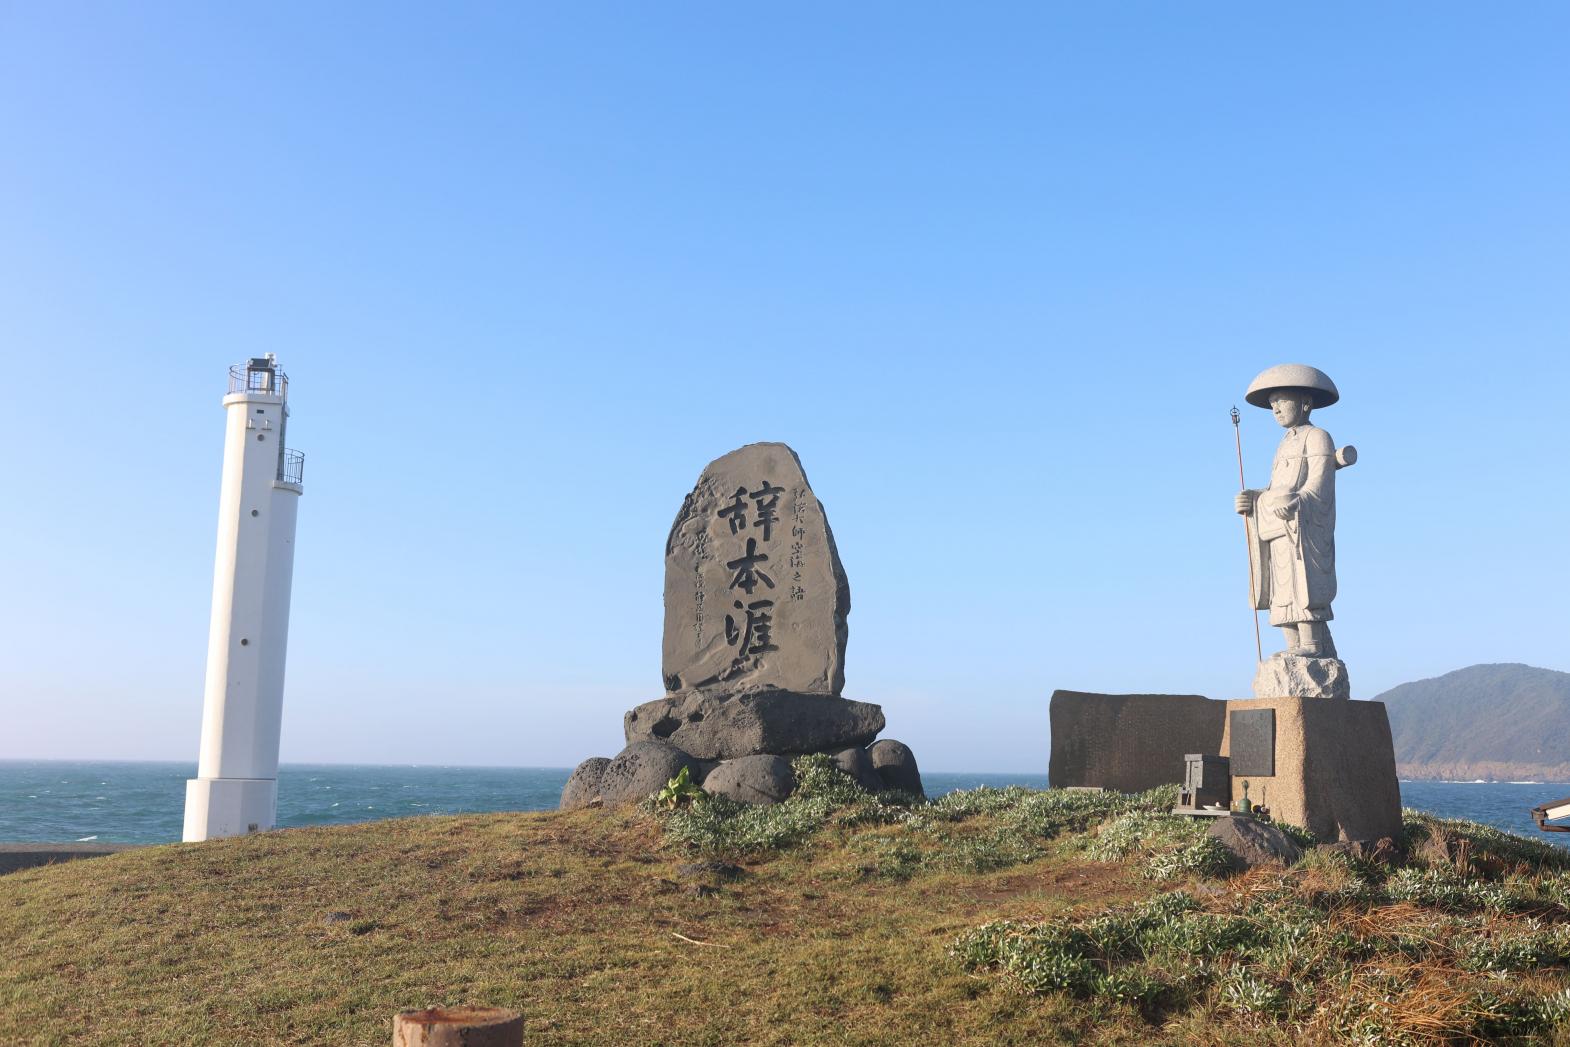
point(1294, 560)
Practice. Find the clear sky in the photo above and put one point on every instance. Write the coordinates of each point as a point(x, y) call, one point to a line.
point(997, 272)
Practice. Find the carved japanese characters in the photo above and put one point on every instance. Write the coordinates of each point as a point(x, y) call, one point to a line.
point(754, 592)
point(754, 650)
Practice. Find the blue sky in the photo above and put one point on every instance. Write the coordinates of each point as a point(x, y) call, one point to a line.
point(997, 272)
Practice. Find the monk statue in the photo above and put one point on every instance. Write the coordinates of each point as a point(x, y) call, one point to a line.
point(1292, 523)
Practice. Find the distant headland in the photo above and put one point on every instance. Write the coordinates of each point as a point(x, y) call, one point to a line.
point(1500, 722)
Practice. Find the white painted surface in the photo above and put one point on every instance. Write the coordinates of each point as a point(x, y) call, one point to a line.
point(216, 807)
point(236, 788)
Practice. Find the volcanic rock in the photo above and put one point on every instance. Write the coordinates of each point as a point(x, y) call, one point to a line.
point(752, 779)
point(719, 726)
point(642, 768)
point(857, 764)
point(896, 765)
point(1253, 842)
point(583, 788)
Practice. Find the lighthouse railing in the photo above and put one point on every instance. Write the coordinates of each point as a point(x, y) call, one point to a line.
point(291, 467)
point(244, 378)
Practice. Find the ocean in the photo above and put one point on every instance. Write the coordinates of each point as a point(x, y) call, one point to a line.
point(46, 801)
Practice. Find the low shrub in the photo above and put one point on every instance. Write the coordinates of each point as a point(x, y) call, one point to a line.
point(724, 828)
point(1166, 846)
point(1415, 958)
point(1018, 821)
point(1443, 888)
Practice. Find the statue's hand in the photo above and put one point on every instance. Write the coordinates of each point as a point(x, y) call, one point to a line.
point(1287, 511)
point(1245, 502)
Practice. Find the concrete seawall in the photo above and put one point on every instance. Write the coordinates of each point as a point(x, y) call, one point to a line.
point(16, 856)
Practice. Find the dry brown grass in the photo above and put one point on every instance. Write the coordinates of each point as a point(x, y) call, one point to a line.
point(578, 920)
point(583, 923)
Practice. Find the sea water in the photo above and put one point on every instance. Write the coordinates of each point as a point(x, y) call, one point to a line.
point(114, 802)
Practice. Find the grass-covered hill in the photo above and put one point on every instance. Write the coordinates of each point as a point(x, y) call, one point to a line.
point(1013, 917)
point(1506, 722)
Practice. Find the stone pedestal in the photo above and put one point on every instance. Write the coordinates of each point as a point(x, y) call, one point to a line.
point(1334, 763)
point(1328, 766)
point(1284, 673)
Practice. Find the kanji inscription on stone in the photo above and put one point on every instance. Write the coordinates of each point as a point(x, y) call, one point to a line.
point(754, 591)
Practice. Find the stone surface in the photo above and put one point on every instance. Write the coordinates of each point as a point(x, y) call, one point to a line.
point(1254, 842)
point(1291, 524)
point(1334, 762)
point(1292, 376)
point(642, 768)
point(1335, 768)
point(857, 764)
point(896, 765)
point(1129, 742)
point(752, 779)
point(719, 726)
point(583, 787)
point(1287, 675)
point(755, 595)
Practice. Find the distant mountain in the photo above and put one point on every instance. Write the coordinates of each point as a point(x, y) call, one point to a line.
point(1499, 722)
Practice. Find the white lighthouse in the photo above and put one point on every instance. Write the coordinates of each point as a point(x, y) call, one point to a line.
point(236, 788)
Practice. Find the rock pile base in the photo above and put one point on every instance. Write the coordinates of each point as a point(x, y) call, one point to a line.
point(740, 746)
point(721, 725)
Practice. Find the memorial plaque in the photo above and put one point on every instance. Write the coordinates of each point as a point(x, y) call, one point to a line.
point(755, 596)
point(1253, 734)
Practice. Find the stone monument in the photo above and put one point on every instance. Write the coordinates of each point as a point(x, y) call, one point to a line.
point(756, 607)
point(1292, 536)
point(1314, 757)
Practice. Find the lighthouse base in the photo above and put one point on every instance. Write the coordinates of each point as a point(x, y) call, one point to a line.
point(216, 807)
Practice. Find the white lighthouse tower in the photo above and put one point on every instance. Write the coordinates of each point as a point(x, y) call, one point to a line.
point(236, 788)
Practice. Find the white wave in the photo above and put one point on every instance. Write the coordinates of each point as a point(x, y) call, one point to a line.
point(84, 839)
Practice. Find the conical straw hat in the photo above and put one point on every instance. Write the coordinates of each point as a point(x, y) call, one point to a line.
point(1292, 376)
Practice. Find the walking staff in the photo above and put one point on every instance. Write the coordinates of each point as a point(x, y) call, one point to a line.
point(1248, 541)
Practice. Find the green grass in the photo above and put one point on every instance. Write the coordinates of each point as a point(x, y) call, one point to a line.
point(993, 916)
